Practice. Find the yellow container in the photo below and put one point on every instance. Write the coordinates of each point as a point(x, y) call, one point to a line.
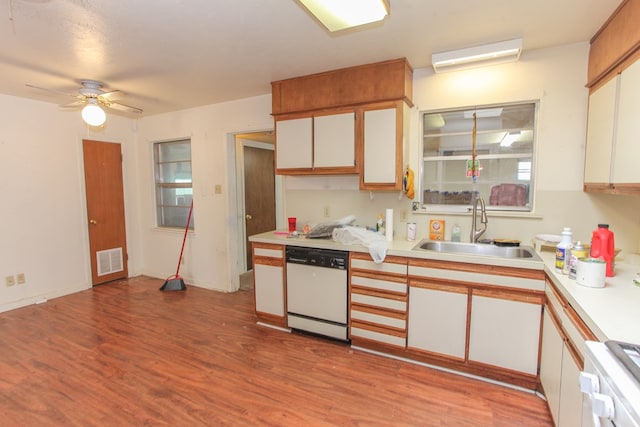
point(436, 229)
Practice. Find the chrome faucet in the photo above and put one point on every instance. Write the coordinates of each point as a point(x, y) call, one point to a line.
point(475, 233)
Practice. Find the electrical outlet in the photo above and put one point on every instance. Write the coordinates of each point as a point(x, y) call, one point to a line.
point(403, 215)
point(21, 278)
point(10, 280)
point(326, 211)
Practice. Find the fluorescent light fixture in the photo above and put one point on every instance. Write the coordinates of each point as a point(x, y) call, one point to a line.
point(489, 54)
point(510, 138)
point(92, 114)
point(338, 15)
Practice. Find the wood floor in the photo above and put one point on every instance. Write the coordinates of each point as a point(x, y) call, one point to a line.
point(126, 353)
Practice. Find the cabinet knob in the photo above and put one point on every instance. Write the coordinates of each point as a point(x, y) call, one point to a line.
point(248, 217)
point(93, 221)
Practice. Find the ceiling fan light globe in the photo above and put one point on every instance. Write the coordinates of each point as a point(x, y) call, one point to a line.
point(93, 115)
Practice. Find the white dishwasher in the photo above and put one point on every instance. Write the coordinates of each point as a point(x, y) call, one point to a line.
point(317, 291)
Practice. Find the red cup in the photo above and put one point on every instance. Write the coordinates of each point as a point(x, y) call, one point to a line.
point(292, 224)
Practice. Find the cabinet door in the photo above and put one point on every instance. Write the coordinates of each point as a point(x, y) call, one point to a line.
point(600, 127)
point(269, 288)
point(570, 394)
point(626, 168)
point(504, 331)
point(334, 143)
point(551, 363)
point(438, 319)
point(294, 143)
point(380, 146)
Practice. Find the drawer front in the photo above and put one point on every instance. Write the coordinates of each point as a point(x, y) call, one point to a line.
point(470, 277)
point(379, 284)
point(273, 252)
point(379, 319)
point(379, 302)
point(379, 336)
point(385, 267)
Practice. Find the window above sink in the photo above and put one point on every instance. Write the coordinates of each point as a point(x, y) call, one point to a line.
point(499, 166)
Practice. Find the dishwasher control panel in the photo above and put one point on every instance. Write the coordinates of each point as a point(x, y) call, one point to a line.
point(317, 257)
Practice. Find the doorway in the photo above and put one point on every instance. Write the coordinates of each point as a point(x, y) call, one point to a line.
point(105, 211)
point(258, 186)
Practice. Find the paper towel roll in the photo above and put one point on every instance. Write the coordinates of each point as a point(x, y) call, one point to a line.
point(389, 225)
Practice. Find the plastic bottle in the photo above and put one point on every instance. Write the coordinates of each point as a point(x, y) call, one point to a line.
point(563, 251)
point(455, 233)
point(603, 246)
point(577, 253)
point(380, 224)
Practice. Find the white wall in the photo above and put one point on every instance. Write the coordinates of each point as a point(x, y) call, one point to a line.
point(556, 77)
point(44, 223)
point(210, 258)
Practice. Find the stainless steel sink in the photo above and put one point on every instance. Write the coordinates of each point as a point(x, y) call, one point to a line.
point(482, 249)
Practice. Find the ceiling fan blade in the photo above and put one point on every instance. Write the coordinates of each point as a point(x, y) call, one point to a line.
point(122, 107)
point(55, 91)
point(111, 95)
point(74, 103)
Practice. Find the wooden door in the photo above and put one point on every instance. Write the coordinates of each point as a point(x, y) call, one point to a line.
point(105, 211)
point(259, 193)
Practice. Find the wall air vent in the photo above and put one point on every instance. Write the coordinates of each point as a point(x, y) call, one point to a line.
point(109, 261)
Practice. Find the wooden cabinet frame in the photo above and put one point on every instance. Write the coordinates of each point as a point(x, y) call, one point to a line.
point(262, 256)
point(472, 288)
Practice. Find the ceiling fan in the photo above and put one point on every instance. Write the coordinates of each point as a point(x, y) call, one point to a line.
point(93, 97)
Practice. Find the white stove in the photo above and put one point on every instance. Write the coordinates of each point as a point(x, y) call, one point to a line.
point(611, 383)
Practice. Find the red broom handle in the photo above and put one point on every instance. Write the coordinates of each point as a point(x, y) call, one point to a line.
point(184, 239)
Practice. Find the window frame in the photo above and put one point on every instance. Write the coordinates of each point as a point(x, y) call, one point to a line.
point(161, 186)
point(445, 208)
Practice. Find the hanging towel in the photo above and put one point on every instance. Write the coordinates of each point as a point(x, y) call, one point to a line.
point(407, 183)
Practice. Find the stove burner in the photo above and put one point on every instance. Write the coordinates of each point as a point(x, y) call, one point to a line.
point(628, 355)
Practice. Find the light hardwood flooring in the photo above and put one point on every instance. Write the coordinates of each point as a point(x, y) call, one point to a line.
point(126, 354)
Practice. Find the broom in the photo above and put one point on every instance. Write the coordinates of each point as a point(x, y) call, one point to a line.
point(175, 282)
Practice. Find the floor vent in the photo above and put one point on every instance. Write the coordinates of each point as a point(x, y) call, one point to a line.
point(109, 261)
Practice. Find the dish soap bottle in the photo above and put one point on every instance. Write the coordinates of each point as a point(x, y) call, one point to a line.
point(563, 251)
point(455, 233)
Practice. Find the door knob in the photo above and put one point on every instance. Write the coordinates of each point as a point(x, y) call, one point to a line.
point(247, 216)
point(93, 221)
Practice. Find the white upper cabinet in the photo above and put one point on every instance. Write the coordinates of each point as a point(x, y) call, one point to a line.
point(380, 146)
point(334, 143)
point(294, 143)
point(626, 166)
point(611, 158)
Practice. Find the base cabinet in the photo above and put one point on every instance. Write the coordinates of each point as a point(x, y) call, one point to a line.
point(269, 283)
point(505, 330)
point(551, 363)
point(438, 319)
point(562, 358)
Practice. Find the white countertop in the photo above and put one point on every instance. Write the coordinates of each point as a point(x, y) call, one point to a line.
point(396, 247)
point(612, 312)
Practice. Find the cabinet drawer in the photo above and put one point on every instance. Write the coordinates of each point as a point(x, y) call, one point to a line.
point(376, 301)
point(379, 284)
point(378, 336)
point(268, 250)
point(399, 267)
point(380, 318)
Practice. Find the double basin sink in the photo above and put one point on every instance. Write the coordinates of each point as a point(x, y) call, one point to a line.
point(481, 249)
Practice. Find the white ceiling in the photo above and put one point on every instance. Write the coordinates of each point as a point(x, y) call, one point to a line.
point(168, 55)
